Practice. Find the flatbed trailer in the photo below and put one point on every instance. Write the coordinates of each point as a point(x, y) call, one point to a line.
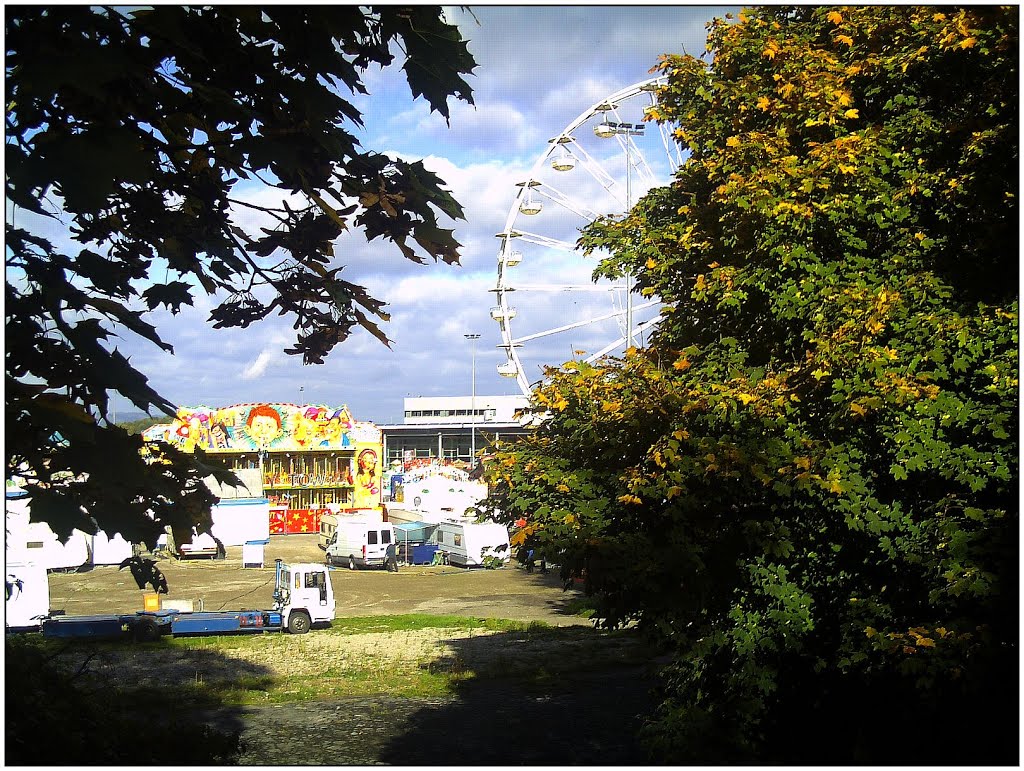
point(146, 626)
point(303, 596)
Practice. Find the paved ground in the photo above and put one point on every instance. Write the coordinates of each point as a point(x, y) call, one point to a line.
point(224, 584)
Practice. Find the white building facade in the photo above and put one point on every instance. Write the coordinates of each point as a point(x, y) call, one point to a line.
point(451, 426)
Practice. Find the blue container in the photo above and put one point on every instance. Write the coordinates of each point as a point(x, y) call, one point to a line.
point(423, 554)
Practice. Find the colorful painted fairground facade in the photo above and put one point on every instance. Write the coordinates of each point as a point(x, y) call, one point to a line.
point(314, 459)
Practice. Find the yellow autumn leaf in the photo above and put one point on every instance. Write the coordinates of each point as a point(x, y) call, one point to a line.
point(835, 487)
point(968, 43)
point(802, 461)
point(569, 519)
point(732, 142)
point(673, 492)
point(769, 53)
point(858, 409)
point(853, 112)
point(631, 499)
point(746, 398)
point(835, 17)
point(762, 103)
point(699, 283)
point(681, 364)
point(651, 263)
point(562, 487)
point(844, 39)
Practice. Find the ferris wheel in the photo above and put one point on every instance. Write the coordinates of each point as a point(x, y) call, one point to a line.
point(548, 307)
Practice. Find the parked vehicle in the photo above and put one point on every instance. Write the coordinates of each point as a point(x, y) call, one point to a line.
point(303, 596)
point(470, 543)
point(27, 595)
point(328, 524)
point(359, 543)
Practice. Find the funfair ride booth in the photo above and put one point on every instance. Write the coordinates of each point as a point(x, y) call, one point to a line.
point(313, 459)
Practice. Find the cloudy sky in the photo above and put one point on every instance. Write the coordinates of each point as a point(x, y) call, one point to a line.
point(539, 68)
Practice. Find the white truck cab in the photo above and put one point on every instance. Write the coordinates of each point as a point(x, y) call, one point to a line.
point(304, 595)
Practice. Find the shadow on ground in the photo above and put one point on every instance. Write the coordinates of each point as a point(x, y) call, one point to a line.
point(549, 698)
point(560, 707)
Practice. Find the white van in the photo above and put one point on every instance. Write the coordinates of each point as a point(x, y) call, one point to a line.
point(469, 543)
point(359, 543)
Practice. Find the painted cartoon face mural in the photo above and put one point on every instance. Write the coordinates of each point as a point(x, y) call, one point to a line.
point(264, 427)
point(295, 444)
point(367, 480)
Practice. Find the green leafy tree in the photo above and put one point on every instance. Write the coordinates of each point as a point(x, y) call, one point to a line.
point(807, 485)
point(130, 132)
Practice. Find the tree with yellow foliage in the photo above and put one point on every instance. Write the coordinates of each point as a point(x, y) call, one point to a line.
point(806, 486)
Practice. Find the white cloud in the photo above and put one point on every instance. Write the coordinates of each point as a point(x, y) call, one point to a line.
point(258, 367)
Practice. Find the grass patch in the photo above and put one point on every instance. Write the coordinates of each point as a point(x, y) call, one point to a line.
point(277, 668)
point(585, 607)
point(413, 621)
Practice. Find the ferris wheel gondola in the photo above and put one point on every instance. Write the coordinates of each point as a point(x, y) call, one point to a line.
point(548, 307)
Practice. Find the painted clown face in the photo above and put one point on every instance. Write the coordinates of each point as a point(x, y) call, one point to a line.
point(264, 429)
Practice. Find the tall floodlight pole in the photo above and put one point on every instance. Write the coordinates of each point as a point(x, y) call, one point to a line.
point(472, 401)
point(605, 130)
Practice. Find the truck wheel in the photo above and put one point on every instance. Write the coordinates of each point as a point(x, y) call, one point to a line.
point(298, 622)
point(146, 631)
point(351, 563)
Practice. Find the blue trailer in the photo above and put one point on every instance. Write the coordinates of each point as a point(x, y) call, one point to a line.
point(146, 626)
point(303, 595)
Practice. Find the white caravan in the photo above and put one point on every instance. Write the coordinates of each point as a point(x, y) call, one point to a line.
point(27, 595)
point(360, 543)
point(470, 543)
point(30, 542)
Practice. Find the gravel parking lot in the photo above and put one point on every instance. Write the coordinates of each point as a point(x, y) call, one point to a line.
point(509, 592)
point(591, 716)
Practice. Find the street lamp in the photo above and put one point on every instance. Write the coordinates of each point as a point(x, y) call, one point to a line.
point(606, 130)
point(472, 402)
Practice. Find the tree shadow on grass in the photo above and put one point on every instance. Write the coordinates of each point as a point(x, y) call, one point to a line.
point(92, 703)
point(545, 697)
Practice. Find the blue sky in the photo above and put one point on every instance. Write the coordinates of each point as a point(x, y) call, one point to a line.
point(539, 67)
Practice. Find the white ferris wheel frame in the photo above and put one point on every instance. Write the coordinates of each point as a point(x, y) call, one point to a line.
point(503, 313)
